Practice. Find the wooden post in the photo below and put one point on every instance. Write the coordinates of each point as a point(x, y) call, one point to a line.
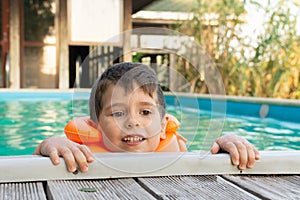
point(14, 44)
point(173, 84)
point(5, 39)
point(127, 54)
point(62, 50)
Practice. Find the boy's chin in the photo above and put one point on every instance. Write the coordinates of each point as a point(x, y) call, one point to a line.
point(130, 149)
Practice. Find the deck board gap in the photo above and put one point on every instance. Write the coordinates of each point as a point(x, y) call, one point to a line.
point(147, 189)
point(258, 195)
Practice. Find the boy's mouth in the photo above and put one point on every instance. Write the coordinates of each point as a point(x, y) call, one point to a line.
point(133, 139)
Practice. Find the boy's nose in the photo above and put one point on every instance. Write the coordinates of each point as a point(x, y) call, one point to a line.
point(132, 122)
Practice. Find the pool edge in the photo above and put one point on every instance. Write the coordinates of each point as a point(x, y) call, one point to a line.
point(39, 168)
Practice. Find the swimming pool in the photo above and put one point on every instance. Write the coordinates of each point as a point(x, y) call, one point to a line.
point(29, 117)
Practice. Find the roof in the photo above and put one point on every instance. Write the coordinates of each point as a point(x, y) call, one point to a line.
point(171, 5)
point(172, 11)
point(183, 5)
point(138, 5)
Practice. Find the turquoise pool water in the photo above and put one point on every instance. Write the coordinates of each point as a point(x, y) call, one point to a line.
point(28, 118)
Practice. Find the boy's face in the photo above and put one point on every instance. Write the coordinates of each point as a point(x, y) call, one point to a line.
point(130, 121)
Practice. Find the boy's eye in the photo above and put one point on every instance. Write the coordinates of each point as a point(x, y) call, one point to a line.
point(117, 114)
point(145, 112)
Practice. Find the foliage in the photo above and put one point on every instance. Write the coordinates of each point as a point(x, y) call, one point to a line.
point(137, 57)
point(38, 19)
point(276, 61)
point(267, 65)
point(213, 26)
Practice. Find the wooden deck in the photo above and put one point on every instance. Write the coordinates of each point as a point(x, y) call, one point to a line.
point(170, 187)
point(275, 176)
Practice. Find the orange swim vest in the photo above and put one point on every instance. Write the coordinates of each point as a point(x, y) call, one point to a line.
point(84, 131)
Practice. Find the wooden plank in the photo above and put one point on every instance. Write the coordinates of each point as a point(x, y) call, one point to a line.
point(193, 187)
point(29, 190)
point(104, 189)
point(271, 187)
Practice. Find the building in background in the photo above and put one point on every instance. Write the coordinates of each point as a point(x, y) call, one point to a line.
point(41, 40)
point(44, 42)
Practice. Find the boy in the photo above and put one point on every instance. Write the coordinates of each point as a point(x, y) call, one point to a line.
point(127, 107)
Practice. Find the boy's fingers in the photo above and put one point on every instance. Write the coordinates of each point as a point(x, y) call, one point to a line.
point(54, 156)
point(215, 148)
point(68, 156)
point(80, 159)
point(243, 155)
point(88, 154)
point(234, 153)
point(256, 152)
point(251, 155)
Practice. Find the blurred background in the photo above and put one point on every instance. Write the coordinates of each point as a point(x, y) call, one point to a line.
point(254, 44)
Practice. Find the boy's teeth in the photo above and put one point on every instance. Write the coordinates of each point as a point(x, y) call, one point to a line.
point(133, 139)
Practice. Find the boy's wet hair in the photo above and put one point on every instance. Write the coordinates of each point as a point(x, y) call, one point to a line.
point(126, 75)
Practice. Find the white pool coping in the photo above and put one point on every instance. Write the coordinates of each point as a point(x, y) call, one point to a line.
point(116, 165)
point(249, 99)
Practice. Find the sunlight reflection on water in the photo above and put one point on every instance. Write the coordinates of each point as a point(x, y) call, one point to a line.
point(24, 124)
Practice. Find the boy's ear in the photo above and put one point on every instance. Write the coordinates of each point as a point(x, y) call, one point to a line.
point(164, 126)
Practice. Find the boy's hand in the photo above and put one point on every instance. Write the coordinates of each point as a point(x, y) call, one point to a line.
point(242, 153)
point(72, 152)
